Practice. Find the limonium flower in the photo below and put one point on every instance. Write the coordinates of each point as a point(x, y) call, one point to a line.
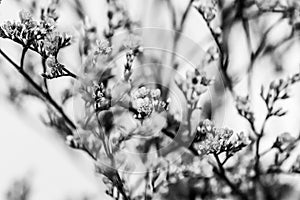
point(212, 140)
point(40, 35)
point(145, 101)
point(208, 8)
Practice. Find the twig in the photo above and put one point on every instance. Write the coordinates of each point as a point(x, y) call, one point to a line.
point(44, 71)
point(222, 173)
point(23, 57)
point(224, 61)
point(259, 136)
point(69, 73)
point(39, 89)
point(178, 33)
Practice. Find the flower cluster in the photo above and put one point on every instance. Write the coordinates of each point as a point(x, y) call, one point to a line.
point(194, 86)
point(207, 8)
point(212, 140)
point(56, 69)
point(40, 36)
point(145, 101)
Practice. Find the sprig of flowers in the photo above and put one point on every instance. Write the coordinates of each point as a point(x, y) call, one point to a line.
point(208, 8)
point(40, 36)
point(212, 140)
point(145, 101)
point(278, 90)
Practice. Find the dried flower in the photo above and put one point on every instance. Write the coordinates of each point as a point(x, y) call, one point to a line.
point(40, 36)
point(56, 69)
point(210, 139)
point(207, 8)
point(145, 101)
point(53, 42)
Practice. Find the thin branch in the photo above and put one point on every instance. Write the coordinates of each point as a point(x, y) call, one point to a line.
point(69, 73)
point(222, 174)
point(44, 71)
point(259, 136)
point(184, 16)
point(173, 14)
point(224, 60)
point(23, 57)
point(226, 159)
point(39, 89)
point(178, 33)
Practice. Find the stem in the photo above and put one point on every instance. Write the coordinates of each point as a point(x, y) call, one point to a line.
point(178, 31)
point(69, 73)
point(259, 136)
point(222, 173)
point(39, 89)
point(44, 71)
point(224, 61)
point(184, 16)
point(226, 159)
point(23, 57)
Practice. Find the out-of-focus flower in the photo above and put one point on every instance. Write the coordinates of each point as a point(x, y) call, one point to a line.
point(212, 54)
point(103, 47)
point(25, 16)
point(134, 46)
point(145, 101)
point(210, 139)
point(283, 141)
point(207, 8)
point(95, 95)
point(296, 165)
point(118, 17)
point(133, 42)
point(195, 85)
point(267, 4)
point(244, 108)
